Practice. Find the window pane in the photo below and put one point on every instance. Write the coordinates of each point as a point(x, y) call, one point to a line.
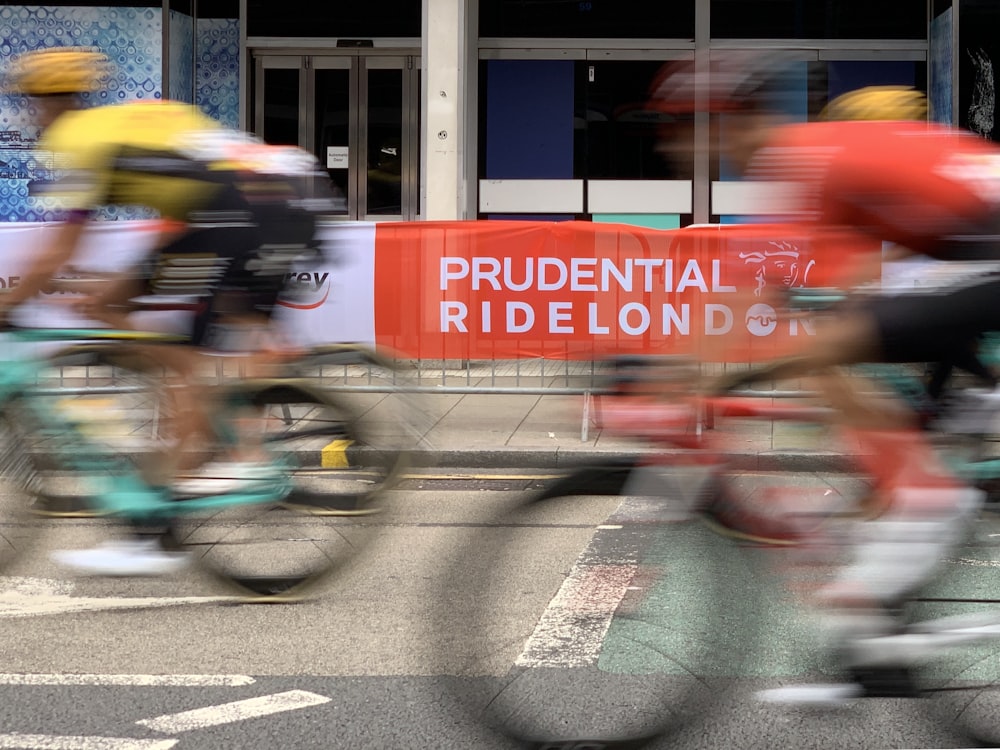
point(345, 19)
point(332, 106)
point(385, 142)
point(218, 9)
point(819, 19)
point(281, 106)
point(621, 134)
point(587, 19)
point(528, 129)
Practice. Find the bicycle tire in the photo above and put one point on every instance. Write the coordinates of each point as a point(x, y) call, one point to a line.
point(629, 637)
point(280, 550)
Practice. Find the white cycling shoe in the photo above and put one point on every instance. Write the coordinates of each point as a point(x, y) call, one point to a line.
point(832, 695)
point(123, 557)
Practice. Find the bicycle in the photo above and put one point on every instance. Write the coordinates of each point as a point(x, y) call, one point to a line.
point(75, 422)
point(646, 621)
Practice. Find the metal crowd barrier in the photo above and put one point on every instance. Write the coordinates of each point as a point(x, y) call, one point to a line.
point(524, 377)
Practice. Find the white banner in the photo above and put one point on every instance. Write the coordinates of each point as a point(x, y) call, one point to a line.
point(328, 301)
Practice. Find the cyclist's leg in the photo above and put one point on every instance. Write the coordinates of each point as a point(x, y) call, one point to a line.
point(924, 507)
point(190, 266)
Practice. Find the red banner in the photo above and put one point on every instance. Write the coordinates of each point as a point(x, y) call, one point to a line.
point(580, 290)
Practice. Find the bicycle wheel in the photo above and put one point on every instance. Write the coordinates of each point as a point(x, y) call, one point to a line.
point(279, 549)
point(961, 676)
point(601, 621)
point(342, 455)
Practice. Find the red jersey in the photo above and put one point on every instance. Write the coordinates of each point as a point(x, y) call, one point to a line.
point(914, 184)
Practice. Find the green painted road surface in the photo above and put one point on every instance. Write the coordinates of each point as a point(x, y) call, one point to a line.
point(672, 597)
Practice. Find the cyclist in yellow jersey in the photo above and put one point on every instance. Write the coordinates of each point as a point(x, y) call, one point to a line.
point(240, 216)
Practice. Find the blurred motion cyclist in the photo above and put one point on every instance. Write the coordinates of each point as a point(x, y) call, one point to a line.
point(235, 214)
point(875, 166)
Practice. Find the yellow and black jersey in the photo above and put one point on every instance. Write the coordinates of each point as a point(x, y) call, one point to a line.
point(132, 154)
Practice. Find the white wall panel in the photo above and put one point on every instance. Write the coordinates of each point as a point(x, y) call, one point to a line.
point(639, 196)
point(531, 196)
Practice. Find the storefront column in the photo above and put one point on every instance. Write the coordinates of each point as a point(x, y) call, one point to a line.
point(442, 171)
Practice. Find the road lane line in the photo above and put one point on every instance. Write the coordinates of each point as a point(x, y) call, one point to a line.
point(227, 713)
point(55, 742)
point(130, 680)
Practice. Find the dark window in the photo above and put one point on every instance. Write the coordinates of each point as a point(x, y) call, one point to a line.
point(585, 120)
point(345, 19)
point(218, 8)
point(102, 4)
point(620, 133)
point(818, 19)
point(587, 19)
point(939, 6)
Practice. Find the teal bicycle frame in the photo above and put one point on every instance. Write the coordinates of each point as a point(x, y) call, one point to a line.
point(125, 492)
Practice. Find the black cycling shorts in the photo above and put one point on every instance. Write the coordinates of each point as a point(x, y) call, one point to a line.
point(932, 326)
point(234, 256)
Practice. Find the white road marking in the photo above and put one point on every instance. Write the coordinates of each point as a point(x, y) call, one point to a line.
point(24, 596)
point(974, 563)
point(27, 585)
point(54, 742)
point(33, 605)
point(237, 711)
point(571, 630)
point(130, 680)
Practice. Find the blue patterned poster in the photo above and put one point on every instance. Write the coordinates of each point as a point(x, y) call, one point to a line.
point(204, 66)
point(130, 37)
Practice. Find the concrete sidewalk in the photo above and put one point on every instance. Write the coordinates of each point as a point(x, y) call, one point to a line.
point(557, 431)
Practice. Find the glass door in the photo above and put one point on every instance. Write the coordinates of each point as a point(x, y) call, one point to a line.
point(359, 113)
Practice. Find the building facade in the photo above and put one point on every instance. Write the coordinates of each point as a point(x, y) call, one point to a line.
point(463, 109)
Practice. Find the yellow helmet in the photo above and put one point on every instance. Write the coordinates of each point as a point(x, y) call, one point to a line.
point(878, 103)
point(59, 70)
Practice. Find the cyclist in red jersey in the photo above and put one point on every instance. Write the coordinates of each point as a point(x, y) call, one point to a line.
point(876, 166)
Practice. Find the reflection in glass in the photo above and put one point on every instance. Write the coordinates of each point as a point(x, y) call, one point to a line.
point(385, 142)
point(622, 134)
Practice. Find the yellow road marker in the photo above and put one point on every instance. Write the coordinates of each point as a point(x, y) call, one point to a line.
point(334, 455)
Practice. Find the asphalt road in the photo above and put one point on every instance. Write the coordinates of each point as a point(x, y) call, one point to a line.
point(420, 639)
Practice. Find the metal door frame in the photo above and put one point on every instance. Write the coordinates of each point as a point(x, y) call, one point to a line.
point(357, 62)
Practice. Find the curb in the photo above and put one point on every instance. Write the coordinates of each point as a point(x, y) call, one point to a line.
point(71, 506)
point(777, 461)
